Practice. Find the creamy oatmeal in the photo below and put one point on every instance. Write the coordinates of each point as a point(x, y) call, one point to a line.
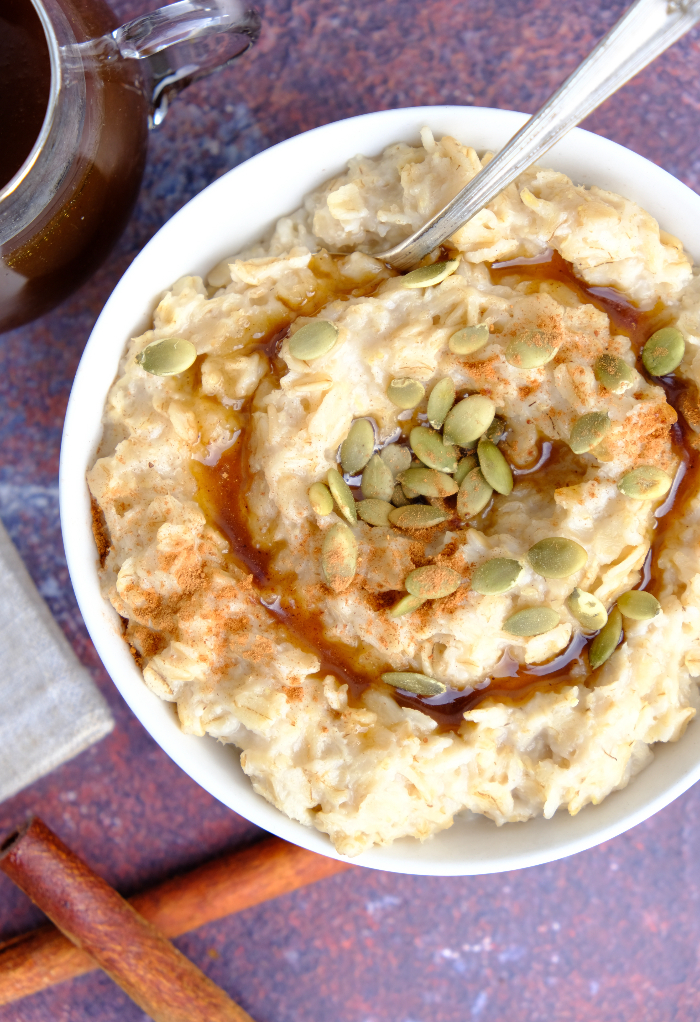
point(418, 544)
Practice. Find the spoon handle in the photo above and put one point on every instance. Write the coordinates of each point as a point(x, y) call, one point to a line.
point(646, 30)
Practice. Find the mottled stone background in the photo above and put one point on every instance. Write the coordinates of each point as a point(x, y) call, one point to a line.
point(611, 935)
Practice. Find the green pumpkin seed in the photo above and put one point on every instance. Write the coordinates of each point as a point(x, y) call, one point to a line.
point(474, 494)
point(405, 393)
point(664, 351)
point(441, 399)
point(339, 557)
point(531, 621)
point(605, 642)
point(426, 276)
point(313, 340)
point(342, 495)
point(613, 373)
point(168, 357)
point(419, 684)
point(469, 419)
point(494, 467)
point(468, 339)
point(356, 449)
point(377, 480)
point(416, 516)
point(638, 605)
point(320, 499)
point(496, 431)
point(465, 466)
point(397, 458)
point(587, 609)
point(429, 448)
point(398, 497)
point(373, 511)
point(497, 575)
point(556, 557)
point(432, 582)
point(588, 431)
point(532, 349)
point(426, 482)
point(406, 605)
point(645, 483)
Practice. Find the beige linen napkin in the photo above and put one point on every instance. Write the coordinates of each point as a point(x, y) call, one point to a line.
point(50, 709)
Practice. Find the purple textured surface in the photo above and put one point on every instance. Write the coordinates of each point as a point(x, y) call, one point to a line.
point(611, 935)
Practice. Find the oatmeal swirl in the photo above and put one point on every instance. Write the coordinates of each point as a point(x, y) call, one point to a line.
point(425, 543)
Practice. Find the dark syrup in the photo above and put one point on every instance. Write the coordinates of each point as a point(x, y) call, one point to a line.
point(223, 488)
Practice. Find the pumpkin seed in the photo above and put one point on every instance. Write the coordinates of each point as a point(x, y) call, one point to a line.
point(313, 340)
point(426, 482)
point(494, 467)
point(474, 494)
point(556, 557)
point(441, 399)
point(398, 458)
point(419, 684)
point(588, 431)
point(531, 621)
point(613, 373)
point(638, 605)
point(645, 483)
point(356, 449)
point(469, 339)
point(406, 605)
point(377, 480)
point(320, 499)
point(426, 276)
point(374, 511)
point(339, 557)
point(429, 448)
point(167, 357)
point(432, 582)
point(605, 642)
point(587, 609)
point(398, 497)
point(416, 516)
point(497, 575)
point(496, 431)
point(405, 392)
point(664, 351)
point(465, 466)
point(342, 495)
point(469, 419)
point(532, 349)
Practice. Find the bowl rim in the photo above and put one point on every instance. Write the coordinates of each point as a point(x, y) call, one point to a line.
point(473, 845)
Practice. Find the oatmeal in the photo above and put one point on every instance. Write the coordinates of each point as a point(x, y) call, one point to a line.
point(425, 543)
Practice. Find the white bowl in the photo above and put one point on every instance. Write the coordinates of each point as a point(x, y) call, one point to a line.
point(231, 213)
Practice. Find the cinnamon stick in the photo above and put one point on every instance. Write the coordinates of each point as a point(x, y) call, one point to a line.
point(161, 981)
point(231, 883)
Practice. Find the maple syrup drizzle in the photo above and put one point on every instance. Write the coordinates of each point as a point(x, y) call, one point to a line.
point(222, 494)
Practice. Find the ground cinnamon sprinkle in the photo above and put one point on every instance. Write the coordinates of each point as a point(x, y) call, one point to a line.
point(99, 531)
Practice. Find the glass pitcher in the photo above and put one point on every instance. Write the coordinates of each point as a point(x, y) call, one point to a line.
point(68, 200)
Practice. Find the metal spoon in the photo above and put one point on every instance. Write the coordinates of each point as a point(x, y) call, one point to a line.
point(646, 30)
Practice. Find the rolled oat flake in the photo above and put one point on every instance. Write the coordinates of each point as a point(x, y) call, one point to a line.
point(410, 681)
point(167, 357)
point(313, 340)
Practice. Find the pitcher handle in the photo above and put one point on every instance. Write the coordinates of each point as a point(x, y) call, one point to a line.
point(186, 41)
